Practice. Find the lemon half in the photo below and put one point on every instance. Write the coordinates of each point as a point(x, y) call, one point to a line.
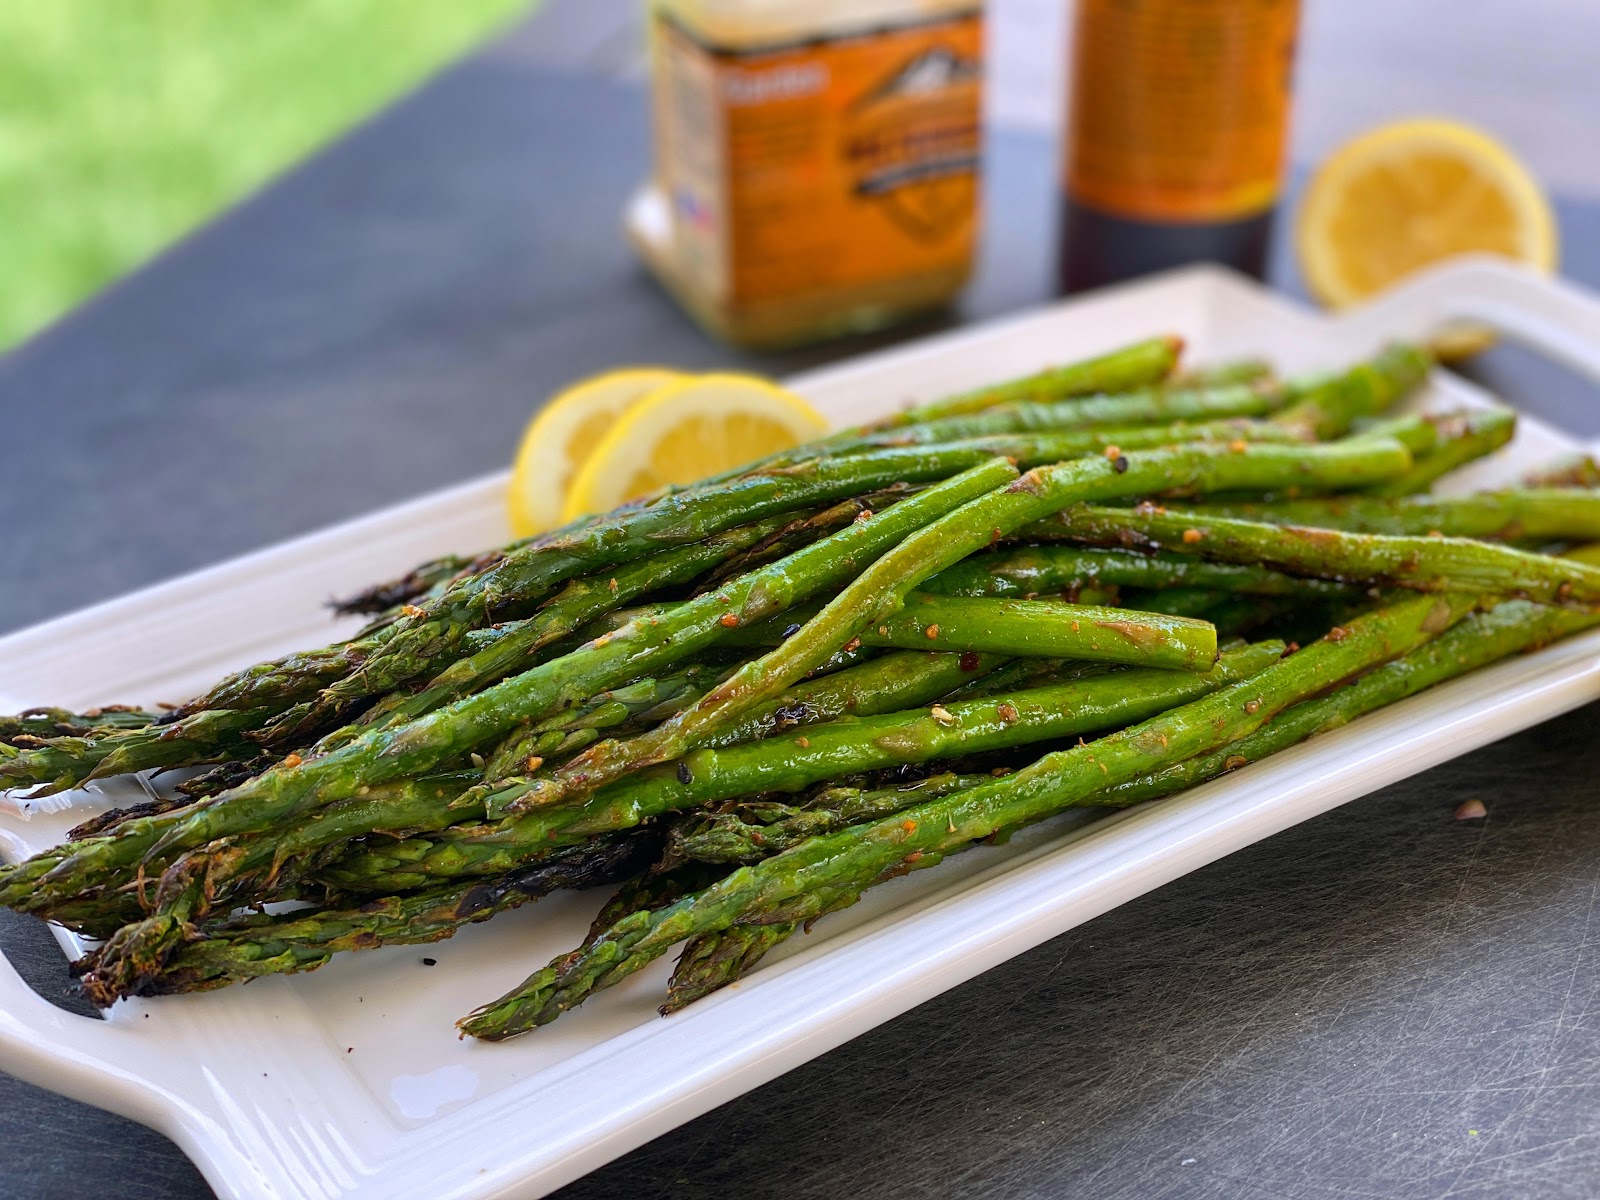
point(685, 431)
point(1406, 195)
point(563, 435)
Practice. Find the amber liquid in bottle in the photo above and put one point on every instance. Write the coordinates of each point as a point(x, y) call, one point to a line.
point(1175, 136)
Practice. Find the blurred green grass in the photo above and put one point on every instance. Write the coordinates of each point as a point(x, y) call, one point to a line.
point(126, 123)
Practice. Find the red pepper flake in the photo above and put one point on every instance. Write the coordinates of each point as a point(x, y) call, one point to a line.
point(534, 763)
point(292, 760)
point(411, 610)
point(969, 660)
point(1074, 627)
point(803, 742)
point(1008, 711)
point(853, 644)
point(728, 620)
point(1234, 762)
point(931, 632)
point(1113, 452)
point(1237, 445)
point(909, 826)
point(1252, 706)
point(914, 856)
point(1000, 772)
point(883, 631)
point(864, 515)
point(1338, 633)
point(612, 584)
point(1191, 536)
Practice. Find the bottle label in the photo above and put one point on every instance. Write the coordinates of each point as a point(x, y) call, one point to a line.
point(1180, 107)
point(821, 166)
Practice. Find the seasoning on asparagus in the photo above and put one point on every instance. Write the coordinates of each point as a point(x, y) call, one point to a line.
point(701, 695)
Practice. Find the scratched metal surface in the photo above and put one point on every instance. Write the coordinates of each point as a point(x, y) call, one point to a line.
point(1331, 1013)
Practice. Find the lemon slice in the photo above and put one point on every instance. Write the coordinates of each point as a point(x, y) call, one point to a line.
point(686, 431)
point(563, 435)
point(1406, 195)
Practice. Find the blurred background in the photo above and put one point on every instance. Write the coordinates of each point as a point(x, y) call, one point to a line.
point(126, 123)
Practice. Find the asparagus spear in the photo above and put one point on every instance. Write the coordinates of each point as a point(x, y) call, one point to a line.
point(1326, 407)
point(714, 960)
point(825, 869)
point(753, 830)
point(59, 763)
point(1531, 514)
point(1237, 370)
point(903, 679)
point(102, 821)
point(412, 586)
point(1463, 438)
point(792, 762)
point(403, 808)
point(1034, 628)
point(60, 722)
point(288, 680)
point(1120, 370)
point(1133, 419)
point(802, 531)
point(656, 887)
point(381, 754)
point(1420, 563)
point(249, 947)
point(1045, 570)
point(1123, 369)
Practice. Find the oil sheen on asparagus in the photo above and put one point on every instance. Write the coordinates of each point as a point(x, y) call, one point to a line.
point(741, 704)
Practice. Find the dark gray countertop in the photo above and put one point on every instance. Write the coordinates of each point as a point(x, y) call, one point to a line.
point(1380, 1002)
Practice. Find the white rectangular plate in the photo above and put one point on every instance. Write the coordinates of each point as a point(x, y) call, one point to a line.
point(350, 1082)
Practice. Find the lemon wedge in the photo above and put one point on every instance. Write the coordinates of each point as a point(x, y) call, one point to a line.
point(685, 431)
point(563, 435)
point(1408, 194)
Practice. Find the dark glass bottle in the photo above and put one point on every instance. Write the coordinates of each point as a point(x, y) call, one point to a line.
point(1175, 136)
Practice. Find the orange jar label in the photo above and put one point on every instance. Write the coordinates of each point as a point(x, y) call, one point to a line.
point(825, 166)
point(1180, 107)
